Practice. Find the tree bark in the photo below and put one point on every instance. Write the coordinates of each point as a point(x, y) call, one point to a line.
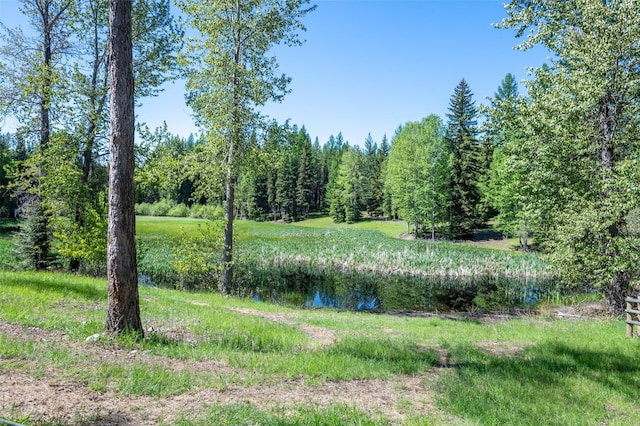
point(123, 310)
point(227, 249)
point(610, 111)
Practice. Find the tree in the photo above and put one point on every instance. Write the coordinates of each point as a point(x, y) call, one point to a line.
point(417, 173)
point(63, 73)
point(7, 162)
point(231, 73)
point(583, 128)
point(383, 152)
point(348, 190)
point(465, 168)
point(31, 86)
point(373, 179)
point(155, 38)
point(123, 309)
point(505, 188)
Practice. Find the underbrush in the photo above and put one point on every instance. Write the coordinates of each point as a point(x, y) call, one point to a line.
point(173, 209)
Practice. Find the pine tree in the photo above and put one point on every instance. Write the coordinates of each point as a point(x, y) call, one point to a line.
point(465, 168)
point(372, 169)
point(304, 184)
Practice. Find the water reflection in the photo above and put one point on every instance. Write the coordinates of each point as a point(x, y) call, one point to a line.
point(362, 291)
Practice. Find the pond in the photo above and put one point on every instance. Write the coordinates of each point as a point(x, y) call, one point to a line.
point(363, 291)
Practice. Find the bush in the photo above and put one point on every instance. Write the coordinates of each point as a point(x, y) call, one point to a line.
point(143, 209)
point(196, 257)
point(207, 212)
point(179, 210)
point(161, 208)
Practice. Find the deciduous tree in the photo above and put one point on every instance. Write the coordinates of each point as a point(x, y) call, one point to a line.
point(417, 174)
point(232, 72)
point(583, 130)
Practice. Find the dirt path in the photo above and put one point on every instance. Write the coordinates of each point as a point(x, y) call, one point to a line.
point(320, 336)
point(52, 397)
point(47, 399)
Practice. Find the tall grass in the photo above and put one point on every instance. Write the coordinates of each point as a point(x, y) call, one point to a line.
point(271, 245)
point(288, 263)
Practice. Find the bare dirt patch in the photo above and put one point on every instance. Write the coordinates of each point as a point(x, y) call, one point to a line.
point(504, 349)
point(48, 399)
point(320, 337)
point(52, 397)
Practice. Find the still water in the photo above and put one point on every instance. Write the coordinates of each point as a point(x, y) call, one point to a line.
point(362, 291)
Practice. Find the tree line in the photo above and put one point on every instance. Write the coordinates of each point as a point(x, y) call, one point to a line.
point(428, 174)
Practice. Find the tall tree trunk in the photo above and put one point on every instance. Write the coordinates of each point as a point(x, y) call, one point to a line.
point(227, 250)
point(123, 309)
point(609, 112)
point(236, 133)
point(42, 219)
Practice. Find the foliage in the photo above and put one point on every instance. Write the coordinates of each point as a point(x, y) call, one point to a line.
point(197, 257)
point(582, 128)
point(348, 190)
point(86, 242)
point(417, 174)
point(33, 248)
point(63, 62)
point(508, 172)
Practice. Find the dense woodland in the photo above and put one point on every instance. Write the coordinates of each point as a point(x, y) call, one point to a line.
point(556, 167)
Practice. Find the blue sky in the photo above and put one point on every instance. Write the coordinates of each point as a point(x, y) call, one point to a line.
point(369, 66)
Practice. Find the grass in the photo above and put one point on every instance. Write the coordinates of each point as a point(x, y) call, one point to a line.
point(365, 248)
point(337, 414)
point(532, 370)
point(390, 228)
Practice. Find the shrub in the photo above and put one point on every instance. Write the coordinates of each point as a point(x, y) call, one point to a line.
point(179, 210)
point(161, 208)
point(207, 212)
point(143, 209)
point(196, 257)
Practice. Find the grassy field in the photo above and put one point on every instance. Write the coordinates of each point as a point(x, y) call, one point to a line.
point(208, 359)
point(367, 247)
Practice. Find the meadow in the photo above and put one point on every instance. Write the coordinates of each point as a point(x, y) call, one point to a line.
point(210, 359)
point(213, 359)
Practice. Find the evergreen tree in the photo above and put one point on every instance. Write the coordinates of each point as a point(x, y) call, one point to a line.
point(383, 153)
point(332, 152)
point(492, 139)
point(304, 185)
point(465, 162)
point(505, 186)
point(373, 181)
point(123, 305)
point(348, 191)
point(320, 177)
